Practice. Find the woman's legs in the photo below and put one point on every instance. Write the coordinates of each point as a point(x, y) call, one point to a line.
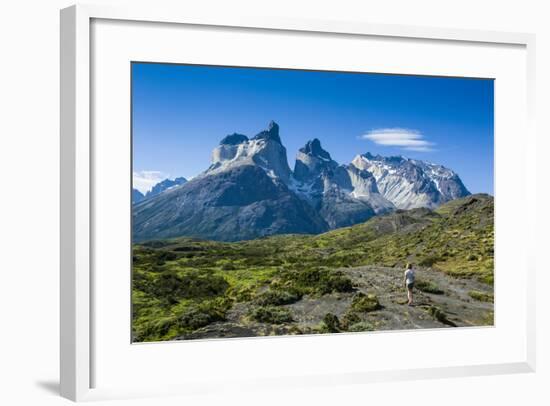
point(410, 295)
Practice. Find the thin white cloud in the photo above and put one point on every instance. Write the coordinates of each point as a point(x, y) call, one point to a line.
point(404, 138)
point(145, 180)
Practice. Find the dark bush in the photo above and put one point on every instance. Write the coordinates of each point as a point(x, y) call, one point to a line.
point(429, 260)
point(155, 243)
point(316, 280)
point(171, 286)
point(349, 319)
point(228, 266)
point(361, 326)
point(271, 314)
point(277, 297)
point(428, 287)
point(202, 314)
point(331, 323)
point(365, 303)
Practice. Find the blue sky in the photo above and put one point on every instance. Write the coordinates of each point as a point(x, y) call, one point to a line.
point(181, 112)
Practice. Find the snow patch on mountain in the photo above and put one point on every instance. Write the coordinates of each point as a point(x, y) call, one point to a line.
point(410, 183)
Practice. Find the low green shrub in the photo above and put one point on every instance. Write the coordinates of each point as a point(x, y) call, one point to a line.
point(277, 297)
point(481, 296)
point(361, 326)
point(428, 286)
point(487, 278)
point(429, 260)
point(172, 286)
point(331, 324)
point(271, 314)
point(363, 303)
point(228, 266)
point(472, 257)
point(348, 319)
point(317, 280)
point(204, 313)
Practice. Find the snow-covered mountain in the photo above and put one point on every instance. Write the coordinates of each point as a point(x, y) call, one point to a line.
point(166, 184)
point(410, 183)
point(160, 187)
point(343, 194)
point(264, 150)
point(249, 191)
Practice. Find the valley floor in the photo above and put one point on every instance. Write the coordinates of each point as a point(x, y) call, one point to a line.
point(346, 280)
point(444, 301)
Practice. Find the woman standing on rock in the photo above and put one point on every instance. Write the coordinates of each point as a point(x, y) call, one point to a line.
point(409, 282)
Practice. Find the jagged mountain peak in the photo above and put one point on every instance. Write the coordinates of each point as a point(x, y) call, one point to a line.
point(271, 133)
point(313, 161)
point(264, 150)
point(164, 185)
point(390, 159)
point(250, 191)
point(313, 147)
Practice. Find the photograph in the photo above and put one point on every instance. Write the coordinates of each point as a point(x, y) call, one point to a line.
point(274, 202)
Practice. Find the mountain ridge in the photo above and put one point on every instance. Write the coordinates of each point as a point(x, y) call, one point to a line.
point(318, 195)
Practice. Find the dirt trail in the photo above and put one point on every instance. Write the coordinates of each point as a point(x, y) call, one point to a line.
point(452, 308)
point(455, 305)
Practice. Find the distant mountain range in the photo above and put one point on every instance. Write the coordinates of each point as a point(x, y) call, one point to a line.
point(249, 191)
point(160, 187)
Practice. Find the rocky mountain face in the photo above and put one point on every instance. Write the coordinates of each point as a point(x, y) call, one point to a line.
point(137, 196)
point(249, 191)
point(239, 203)
point(264, 150)
point(165, 185)
point(343, 194)
point(160, 187)
point(410, 183)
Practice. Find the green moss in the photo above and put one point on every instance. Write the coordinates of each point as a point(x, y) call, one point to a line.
point(277, 297)
point(173, 278)
point(315, 280)
point(361, 326)
point(487, 278)
point(488, 319)
point(271, 314)
point(350, 318)
point(429, 260)
point(331, 324)
point(202, 314)
point(481, 296)
point(428, 286)
point(365, 303)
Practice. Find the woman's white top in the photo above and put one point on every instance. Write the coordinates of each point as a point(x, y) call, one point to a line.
point(409, 276)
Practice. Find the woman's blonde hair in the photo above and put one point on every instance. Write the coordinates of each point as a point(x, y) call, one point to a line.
point(409, 265)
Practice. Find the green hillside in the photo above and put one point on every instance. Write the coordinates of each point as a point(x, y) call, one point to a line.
point(182, 286)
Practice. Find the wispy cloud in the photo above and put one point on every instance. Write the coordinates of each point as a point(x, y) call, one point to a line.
point(404, 138)
point(145, 180)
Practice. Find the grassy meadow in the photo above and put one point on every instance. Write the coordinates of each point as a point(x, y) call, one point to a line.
point(184, 286)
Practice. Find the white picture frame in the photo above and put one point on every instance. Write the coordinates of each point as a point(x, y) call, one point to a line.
point(76, 279)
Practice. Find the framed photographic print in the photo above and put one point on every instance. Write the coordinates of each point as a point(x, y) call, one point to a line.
point(276, 202)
